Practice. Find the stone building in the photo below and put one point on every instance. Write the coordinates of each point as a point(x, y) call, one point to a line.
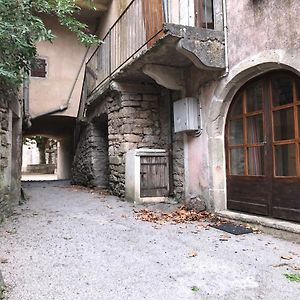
point(11, 149)
point(239, 60)
point(54, 86)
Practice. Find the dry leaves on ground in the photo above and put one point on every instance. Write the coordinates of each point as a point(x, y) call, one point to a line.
point(180, 215)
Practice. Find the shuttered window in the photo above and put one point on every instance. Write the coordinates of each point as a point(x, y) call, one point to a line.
point(39, 68)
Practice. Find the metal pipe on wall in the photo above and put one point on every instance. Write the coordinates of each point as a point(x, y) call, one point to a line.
point(26, 101)
point(225, 38)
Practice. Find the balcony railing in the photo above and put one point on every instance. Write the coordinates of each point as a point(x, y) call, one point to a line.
point(139, 26)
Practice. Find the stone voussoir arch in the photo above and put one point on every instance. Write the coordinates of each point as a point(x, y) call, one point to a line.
point(238, 75)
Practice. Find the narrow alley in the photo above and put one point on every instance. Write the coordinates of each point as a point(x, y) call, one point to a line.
point(67, 243)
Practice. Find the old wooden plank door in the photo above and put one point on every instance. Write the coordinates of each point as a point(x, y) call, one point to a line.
point(154, 176)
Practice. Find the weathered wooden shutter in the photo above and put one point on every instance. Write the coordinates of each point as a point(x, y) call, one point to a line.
point(153, 20)
point(38, 68)
point(154, 176)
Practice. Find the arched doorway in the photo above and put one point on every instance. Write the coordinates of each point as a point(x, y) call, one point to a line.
point(263, 147)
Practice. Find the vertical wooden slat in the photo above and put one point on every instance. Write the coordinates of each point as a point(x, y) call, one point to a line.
point(139, 26)
point(296, 126)
point(154, 176)
point(245, 133)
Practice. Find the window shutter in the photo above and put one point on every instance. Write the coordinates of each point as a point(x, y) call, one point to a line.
point(38, 68)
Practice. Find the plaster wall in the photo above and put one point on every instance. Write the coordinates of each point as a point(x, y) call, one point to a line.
point(64, 63)
point(262, 36)
point(30, 156)
point(256, 25)
point(115, 9)
point(64, 158)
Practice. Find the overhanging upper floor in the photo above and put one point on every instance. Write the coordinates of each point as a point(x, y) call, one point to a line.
point(159, 40)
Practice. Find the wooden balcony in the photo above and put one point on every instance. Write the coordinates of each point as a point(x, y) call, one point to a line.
point(163, 32)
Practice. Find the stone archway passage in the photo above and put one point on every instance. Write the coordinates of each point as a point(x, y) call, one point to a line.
point(263, 147)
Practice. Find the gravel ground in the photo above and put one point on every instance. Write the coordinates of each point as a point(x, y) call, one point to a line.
point(71, 244)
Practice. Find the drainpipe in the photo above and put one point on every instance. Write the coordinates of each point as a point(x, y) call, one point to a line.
point(26, 101)
point(225, 28)
point(166, 10)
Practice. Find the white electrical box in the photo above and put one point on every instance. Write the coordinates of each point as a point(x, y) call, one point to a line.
point(186, 115)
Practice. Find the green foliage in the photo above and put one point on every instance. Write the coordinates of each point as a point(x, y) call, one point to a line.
point(195, 289)
point(21, 27)
point(293, 277)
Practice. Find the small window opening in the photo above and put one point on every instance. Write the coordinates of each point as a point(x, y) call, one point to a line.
point(204, 14)
point(38, 68)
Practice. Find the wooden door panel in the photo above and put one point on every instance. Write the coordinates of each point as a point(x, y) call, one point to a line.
point(154, 176)
point(286, 198)
point(248, 194)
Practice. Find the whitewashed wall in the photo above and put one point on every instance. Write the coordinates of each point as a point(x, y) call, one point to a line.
point(30, 156)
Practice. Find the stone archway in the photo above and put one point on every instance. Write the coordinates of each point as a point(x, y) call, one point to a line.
point(254, 66)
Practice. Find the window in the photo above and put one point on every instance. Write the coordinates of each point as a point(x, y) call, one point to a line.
point(38, 68)
point(271, 101)
point(204, 13)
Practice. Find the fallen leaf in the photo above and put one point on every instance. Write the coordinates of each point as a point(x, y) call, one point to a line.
point(286, 257)
point(3, 260)
point(294, 253)
point(280, 265)
point(193, 253)
point(296, 267)
point(224, 238)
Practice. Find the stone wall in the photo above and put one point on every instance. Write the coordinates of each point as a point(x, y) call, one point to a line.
point(5, 204)
point(139, 116)
point(10, 150)
point(90, 166)
point(178, 166)
point(133, 122)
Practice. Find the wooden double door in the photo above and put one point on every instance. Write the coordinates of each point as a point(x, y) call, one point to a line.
point(263, 147)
